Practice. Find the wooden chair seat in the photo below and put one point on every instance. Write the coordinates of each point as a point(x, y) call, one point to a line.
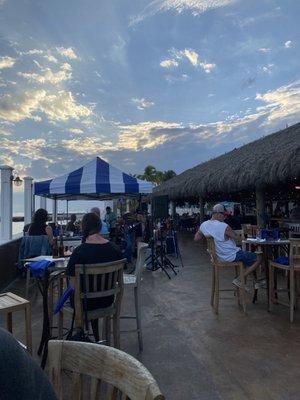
point(9, 303)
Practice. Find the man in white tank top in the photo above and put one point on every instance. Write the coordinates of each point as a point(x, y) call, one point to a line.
point(224, 238)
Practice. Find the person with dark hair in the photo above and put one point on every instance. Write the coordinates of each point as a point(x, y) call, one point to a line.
point(95, 249)
point(71, 227)
point(21, 378)
point(39, 226)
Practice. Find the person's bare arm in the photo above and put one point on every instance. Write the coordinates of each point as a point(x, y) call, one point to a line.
point(230, 234)
point(198, 236)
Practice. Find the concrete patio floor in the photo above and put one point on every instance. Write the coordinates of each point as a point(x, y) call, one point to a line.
point(196, 355)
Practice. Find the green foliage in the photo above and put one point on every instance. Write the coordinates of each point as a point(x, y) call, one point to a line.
point(151, 174)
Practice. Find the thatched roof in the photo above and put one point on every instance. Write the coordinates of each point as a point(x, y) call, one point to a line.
point(266, 162)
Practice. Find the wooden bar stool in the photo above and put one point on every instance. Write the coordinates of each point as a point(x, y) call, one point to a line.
point(9, 303)
point(216, 267)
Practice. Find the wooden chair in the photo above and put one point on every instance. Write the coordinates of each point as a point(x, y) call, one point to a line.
point(292, 268)
point(124, 376)
point(217, 265)
point(102, 280)
point(135, 281)
point(9, 303)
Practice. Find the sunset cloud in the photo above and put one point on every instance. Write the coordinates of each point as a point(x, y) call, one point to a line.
point(67, 52)
point(59, 106)
point(48, 76)
point(6, 62)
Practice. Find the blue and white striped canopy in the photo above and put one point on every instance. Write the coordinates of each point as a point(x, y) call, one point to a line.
point(95, 180)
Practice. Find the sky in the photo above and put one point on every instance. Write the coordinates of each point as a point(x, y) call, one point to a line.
point(171, 83)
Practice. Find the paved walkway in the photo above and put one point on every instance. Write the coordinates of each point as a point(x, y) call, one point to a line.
point(196, 355)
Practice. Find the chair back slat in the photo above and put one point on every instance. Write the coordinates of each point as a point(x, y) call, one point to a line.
point(95, 388)
point(107, 364)
point(104, 293)
point(76, 386)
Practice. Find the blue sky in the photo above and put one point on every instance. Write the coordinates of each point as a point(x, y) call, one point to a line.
point(167, 82)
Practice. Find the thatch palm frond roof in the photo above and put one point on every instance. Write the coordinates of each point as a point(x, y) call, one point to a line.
point(268, 161)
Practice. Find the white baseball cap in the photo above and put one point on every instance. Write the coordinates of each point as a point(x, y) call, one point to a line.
point(218, 208)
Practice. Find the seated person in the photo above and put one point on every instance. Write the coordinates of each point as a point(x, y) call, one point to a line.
point(104, 226)
point(94, 250)
point(224, 238)
point(39, 225)
point(21, 378)
point(71, 227)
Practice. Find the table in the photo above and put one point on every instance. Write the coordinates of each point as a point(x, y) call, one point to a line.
point(44, 282)
point(266, 247)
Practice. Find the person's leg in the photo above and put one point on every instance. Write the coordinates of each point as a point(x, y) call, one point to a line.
point(253, 267)
point(250, 261)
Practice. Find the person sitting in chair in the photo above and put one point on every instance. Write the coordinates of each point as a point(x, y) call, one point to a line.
point(94, 250)
point(224, 238)
point(39, 226)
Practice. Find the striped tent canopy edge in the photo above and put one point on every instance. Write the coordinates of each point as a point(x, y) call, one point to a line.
point(96, 179)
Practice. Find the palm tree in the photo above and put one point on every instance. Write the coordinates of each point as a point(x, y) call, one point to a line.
point(151, 174)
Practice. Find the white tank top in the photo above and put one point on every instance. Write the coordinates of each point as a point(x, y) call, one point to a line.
point(226, 249)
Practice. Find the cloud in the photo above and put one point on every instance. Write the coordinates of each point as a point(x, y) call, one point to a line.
point(51, 58)
point(90, 145)
point(32, 52)
point(67, 52)
point(282, 104)
point(197, 7)
point(6, 62)
point(145, 135)
point(57, 106)
point(168, 63)
point(48, 76)
point(29, 149)
point(288, 44)
point(76, 131)
point(4, 132)
point(268, 68)
point(142, 103)
point(178, 56)
point(264, 49)
point(174, 79)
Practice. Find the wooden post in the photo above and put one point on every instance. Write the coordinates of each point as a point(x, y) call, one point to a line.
point(201, 207)
point(260, 208)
